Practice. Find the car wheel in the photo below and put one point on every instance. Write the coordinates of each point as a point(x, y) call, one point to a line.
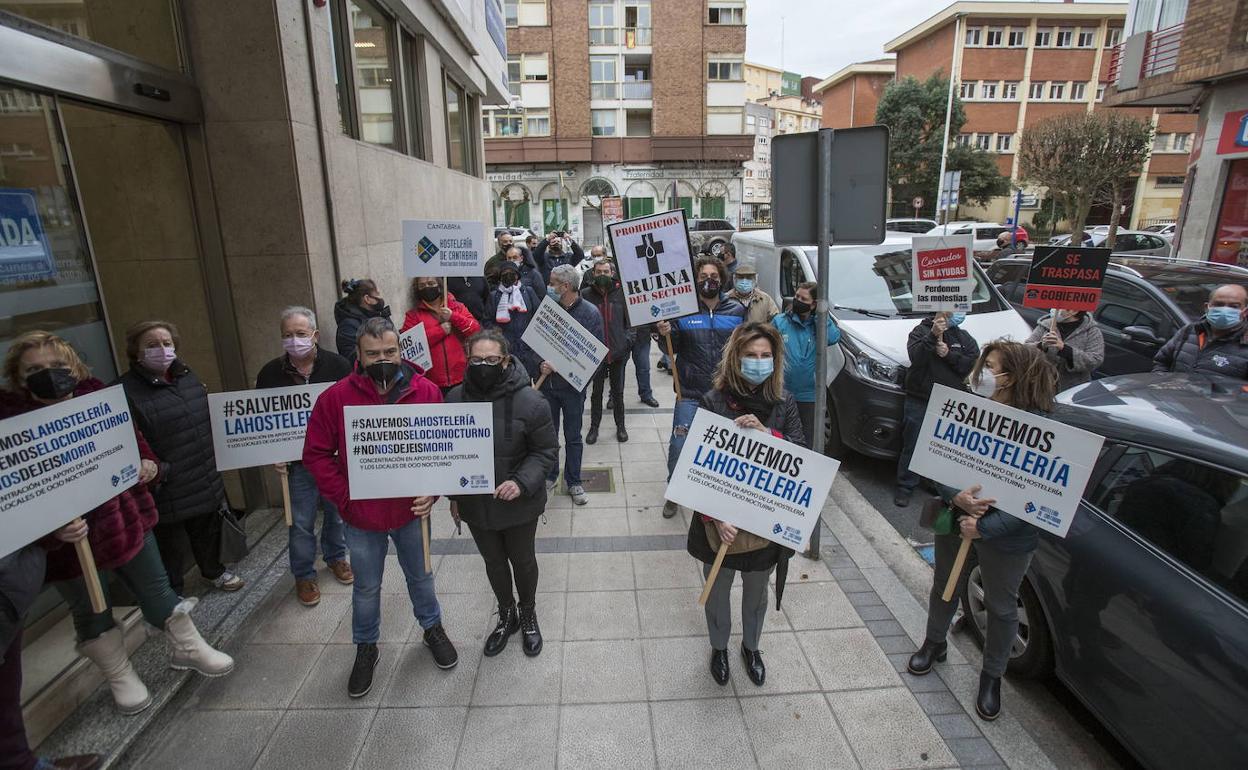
point(1031, 655)
point(833, 445)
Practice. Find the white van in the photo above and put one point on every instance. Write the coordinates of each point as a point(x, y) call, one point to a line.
point(869, 296)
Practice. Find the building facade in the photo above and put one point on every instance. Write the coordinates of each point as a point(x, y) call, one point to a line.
point(618, 98)
point(760, 120)
point(849, 97)
point(1018, 63)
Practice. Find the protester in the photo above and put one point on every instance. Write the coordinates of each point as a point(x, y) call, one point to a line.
point(512, 305)
point(43, 369)
point(1006, 247)
point(567, 404)
point(380, 377)
point(797, 329)
point(530, 242)
point(448, 324)
point(504, 524)
point(748, 388)
point(1017, 375)
point(550, 253)
point(530, 275)
point(523, 257)
point(1077, 348)
point(474, 292)
point(759, 306)
point(728, 257)
point(698, 341)
point(305, 362)
point(170, 407)
point(362, 302)
point(1217, 343)
point(606, 295)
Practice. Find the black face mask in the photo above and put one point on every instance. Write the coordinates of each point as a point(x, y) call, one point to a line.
point(603, 283)
point(384, 373)
point(429, 293)
point(800, 308)
point(709, 289)
point(508, 279)
point(51, 384)
point(482, 378)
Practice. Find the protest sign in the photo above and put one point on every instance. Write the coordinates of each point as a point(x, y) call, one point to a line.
point(437, 248)
point(261, 427)
point(656, 269)
point(941, 273)
point(412, 450)
point(556, 337)
point(414, 347)
point(612, 210)
point(61, 461)
point(25, 254)
point(1066, 278)
point(1035, 468)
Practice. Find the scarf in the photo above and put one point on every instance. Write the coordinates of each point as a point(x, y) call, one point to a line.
point(751, 403)
point(510, 300)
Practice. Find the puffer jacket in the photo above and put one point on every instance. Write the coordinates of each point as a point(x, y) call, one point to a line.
point(1194, 349)
point(616, 335)
point(1082, 354)
point(116, 527)
point(172, 414)
point(526, 449)
point(350, 317)
point(927, 368)
point(587, 316)
point(698, 341)
point(800, 357)
point(514, 329)
point(325, 448)
point(446, 351)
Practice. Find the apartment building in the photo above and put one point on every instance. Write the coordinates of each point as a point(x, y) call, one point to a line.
point(627, 98)
point(1193, 55)
point(760, 120)
point(1017, 63)
point(849, 96)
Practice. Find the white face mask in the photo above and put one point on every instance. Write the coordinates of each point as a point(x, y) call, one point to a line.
point(987, 384)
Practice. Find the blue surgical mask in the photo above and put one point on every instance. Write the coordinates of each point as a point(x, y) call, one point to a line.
point(745, 285)
point(550, 292)
point(1223, 317)
point(956, 319)
point(757, 370)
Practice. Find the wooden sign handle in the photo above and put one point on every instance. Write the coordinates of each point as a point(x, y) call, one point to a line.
point(424, 536)
point(958, 563)
point(540, 380)
point(671, 364)
point(713, 574)
point(90, 576)
point(286, 496)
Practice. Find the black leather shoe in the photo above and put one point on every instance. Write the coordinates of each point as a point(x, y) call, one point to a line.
point(366, 657)
point(650, 401)
point(592, 436)
point(531, 634)
point(621, 435)
point(901, 498)
point(754, 665)
point(929, 654)
point(719, 666)
point(988, 702)
point(508, 624)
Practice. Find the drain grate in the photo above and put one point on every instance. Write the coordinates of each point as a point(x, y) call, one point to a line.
point(596, 480)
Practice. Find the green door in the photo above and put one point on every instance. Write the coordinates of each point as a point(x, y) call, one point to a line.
point(713, 208)
point(640, 207)
point(554, 215)
point(683, 202)
point(517, 213)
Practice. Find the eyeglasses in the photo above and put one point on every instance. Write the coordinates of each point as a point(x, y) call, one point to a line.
point(487, 361)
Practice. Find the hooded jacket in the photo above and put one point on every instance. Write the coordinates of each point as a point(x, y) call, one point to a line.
point(526, 449)
point(800, 359)
point(350, 317)
point(1194, 349)
point(445, 350)
point(325, 448)
point(927, 368)
point(698, 341)
point(1082, 353)
point(615, 332)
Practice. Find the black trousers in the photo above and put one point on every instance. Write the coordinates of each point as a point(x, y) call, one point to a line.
point(615, 370)
point(507, 552)
point(203, 536)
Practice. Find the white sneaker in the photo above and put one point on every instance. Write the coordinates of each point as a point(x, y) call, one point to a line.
point(577, 493)
point(228, 582)
point(551, 484)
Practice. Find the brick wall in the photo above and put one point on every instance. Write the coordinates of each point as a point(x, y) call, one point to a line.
point(923, 57)
point(991, 117)
point(1213, 40)
point(993, 64)
point(570, 67)
point(1063, 64)
point(836, 104)
point(868, 90)
point(679, 69)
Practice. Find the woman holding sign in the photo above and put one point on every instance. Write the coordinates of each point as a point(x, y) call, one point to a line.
point(1073, 342)
point(448, 324)
point(1017, 375)
point(748, 388)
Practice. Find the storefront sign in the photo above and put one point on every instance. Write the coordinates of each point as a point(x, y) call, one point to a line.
point(556, 337)
point(941, 273)
point(262, 426)
point(61, 461)
point(24, 251)
point(1066, 278)
point(441, 248)
point(414, 347)
point(678, 173)
point(413, 450)
point(1234, 137)
point(1035, 468)
point(612, 210)
point(656, 269)
point(752, 480)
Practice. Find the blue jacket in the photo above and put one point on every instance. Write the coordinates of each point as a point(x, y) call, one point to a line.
point(698, 341)
point(800, 357)
point(586, 315)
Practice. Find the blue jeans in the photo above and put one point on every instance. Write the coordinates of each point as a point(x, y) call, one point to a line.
point(911, 421)
point(304, 500)
point(641, 364)
point(568, 405)
point(368, 561)
point(682, 415)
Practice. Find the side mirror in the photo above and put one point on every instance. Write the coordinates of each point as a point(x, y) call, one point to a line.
point(1143, 334)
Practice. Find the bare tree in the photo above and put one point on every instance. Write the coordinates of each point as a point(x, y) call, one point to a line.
point(1128, 141)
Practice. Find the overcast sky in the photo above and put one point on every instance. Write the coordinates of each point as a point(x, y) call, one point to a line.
point(821, 36)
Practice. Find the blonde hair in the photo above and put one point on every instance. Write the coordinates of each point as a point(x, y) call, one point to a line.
point(34, 340)
point(728, 374)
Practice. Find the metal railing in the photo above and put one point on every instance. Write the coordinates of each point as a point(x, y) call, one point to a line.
point(604, 91)
point(629, 37)
point(638, 89)
point(628, 89)
point(1161, 53)
point(1115, 63)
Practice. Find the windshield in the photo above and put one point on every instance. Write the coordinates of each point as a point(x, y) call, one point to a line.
point(864, 278)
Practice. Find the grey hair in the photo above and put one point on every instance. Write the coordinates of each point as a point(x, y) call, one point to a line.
point(566, 275)
point(374, 327)
point(295, 310)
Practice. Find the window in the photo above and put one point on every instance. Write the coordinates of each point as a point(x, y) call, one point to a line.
point(535, 67)
point(1057, 91)
point(514, 75)
point(1017, 38)
point(1065, 36)
point(413, 78)
point(1086, 38)
point(962, 140)
point(1044, 38)
point(974, 35)
point(524, 13)
point(374, 72)
point(1005, 142)
point(515, 213)
point(536, 123)
point(994, 37)
point(508, 123)
point(639, 207)
point(723, 70)
point(1126, 305)
point(1035, 90)
point(726, 14)
point(1100, 91)
point(602, 122)
point(637, 123)
point(511, 12)
point(1113, 36)
point(712, 208)
point(603, 29)
point(988, 90)
point(1078, 91)
point(554, 214)
point(1161, 142)
point(459, 144)
point(1009, 91)
point(967, 90)
point(1182, 142)
point(636, 23)
point(723, 120)
point(983, 141)
point(749, 120)
point(602, 77)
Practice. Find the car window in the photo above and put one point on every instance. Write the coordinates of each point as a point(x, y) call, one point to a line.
point(1188, 290)
point(1155, 243)
point(1124, 304)
point(1011, 279)
point(988, 233)
point(791, 274)
point(962, 231)
point(1196, 513)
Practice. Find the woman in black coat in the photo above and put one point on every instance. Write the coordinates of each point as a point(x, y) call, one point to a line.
point(526, 450)
point(170, 407)
point(748, 389)
point(362, 302)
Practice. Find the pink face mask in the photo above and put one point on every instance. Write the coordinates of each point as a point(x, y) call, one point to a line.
point(158, 359)
point(298, 347)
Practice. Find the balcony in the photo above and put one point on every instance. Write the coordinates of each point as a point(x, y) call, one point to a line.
point(636, 36)
point(629, 37)
point(1161, 53)
point(638, 89)
point(1144, 71)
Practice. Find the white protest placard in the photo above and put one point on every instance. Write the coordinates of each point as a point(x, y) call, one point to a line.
point(262, 426)
point(414, 347)
point(752, 480)
point(443, 248)
point(61, 461)
point(555, 336)
point(942, 277)
point(412, 450)
point(1034, 467)
point(656, 268)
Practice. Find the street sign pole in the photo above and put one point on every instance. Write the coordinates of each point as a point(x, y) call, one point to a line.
point(1018, 204)
point(824, 223)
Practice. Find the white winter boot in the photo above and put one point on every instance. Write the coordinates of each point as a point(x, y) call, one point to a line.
point(190, 651)
point(108, 653)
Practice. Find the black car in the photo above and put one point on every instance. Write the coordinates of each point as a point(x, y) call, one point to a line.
point(1142, 609)
point(1145, 300)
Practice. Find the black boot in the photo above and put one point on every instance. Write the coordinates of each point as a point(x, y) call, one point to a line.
point(930, 653)
point(719, 666)
point(988, 702)
point(508, 624)
point(361, 681)
point(529, 631)
point(592, 436)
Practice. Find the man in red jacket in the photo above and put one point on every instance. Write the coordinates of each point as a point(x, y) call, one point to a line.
point(380, 377)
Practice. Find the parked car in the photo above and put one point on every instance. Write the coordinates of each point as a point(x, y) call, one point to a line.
point(870, 299)
point(1166, 230)
point(1142, 609)
point(516, 232)
point(708, 236)
point(984, 234)
point(1125, 242)
point(916, 226)
point(1144, 301)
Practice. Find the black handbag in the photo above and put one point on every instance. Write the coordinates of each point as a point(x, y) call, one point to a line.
point(233, 537)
